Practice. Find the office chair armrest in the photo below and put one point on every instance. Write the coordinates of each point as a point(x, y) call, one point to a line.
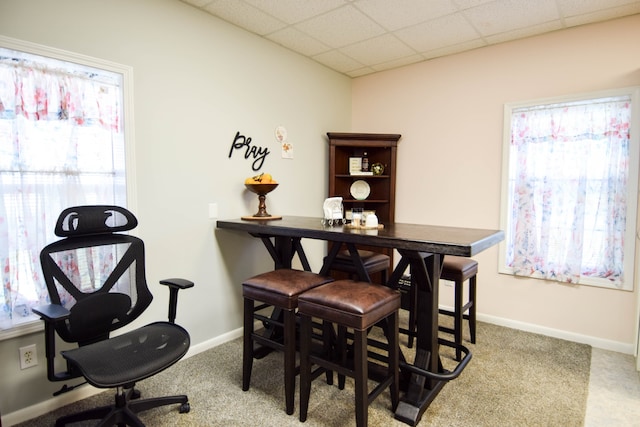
point(51, 312)
point(174, 286)
point(177, 283)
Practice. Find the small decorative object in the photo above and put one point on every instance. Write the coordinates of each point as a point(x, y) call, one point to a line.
point(372, 221)
point(261, 185)
point(286, 146)
point(356, 216)
point(365, 162)
point(377, 168)
point(355, 165)
point(333, 212)
point(360, 190)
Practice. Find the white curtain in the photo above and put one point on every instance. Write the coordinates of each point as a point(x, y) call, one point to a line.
point(61, 144)
point(569, 169)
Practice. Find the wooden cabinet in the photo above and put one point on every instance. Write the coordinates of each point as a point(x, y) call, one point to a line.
point(380, 148)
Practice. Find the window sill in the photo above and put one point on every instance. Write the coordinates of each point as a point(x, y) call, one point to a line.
point(584, 281)
point(29, 325)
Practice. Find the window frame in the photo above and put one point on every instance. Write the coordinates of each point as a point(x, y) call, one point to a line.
point(126, 73)
point(632, 189)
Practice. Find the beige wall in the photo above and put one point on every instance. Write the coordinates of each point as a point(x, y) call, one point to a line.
point(197, 81)
point(450, 114)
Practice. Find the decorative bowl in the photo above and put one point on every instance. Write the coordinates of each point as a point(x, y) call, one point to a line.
point(261, 190)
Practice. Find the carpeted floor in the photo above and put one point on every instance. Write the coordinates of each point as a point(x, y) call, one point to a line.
point(515, 378)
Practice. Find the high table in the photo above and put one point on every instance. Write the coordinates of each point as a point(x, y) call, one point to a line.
point(421, 248)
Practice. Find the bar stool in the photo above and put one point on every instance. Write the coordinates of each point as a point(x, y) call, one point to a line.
point(374, 262)
point(458, 270)
point(278, 289)
point(357, 306)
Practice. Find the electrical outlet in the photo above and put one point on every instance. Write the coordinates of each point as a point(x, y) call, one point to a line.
point(28, 356)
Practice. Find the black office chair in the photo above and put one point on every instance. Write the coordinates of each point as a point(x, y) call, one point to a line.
point(96, 282)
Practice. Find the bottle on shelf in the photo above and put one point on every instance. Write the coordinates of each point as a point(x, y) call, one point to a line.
point(365, 162)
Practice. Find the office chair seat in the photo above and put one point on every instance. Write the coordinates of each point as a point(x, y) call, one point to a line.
point(131, 357)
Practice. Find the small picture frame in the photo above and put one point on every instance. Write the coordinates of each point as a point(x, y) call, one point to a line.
point(355, 165)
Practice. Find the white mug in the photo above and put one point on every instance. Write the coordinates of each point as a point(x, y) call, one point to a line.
point(372, 221)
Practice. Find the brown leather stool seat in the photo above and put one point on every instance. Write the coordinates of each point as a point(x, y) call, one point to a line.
point(278, 289)
point(458, 270)
point(374, 262)
point(357, 306)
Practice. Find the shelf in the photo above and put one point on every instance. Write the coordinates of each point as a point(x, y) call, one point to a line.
point(362, 176)
point(364, 201)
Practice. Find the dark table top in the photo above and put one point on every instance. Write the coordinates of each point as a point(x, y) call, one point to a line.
point(415, 237)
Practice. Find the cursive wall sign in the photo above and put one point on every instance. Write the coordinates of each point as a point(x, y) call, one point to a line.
point(251, 151)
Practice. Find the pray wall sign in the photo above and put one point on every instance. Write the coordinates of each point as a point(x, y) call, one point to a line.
point(258, 154)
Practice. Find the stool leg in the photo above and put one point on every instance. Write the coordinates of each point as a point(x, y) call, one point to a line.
point(341, 350)
point(305, 366)
point(247, 351)
point(361, 375)
point(394, 357)
point(472, 309)
point(457, 316)
point(328, 344)
point(289, 359)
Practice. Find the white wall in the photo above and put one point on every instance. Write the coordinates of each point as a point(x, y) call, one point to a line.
point(197, 81)
point(450, 114)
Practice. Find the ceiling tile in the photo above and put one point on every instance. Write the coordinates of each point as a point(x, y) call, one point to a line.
point(401, 62)
point(294, 11)
point(507, 15)
point(198, 3)
point(450, 50)
point(468, 4)
point(445, 31)
point(396, 14)
point(524, 32)
point(338, 61)
point(245, 16)
point(360, 72)
point(341, 27)
point(298, 41)
point(379, 49)
point(580, 7)
point(603, 15)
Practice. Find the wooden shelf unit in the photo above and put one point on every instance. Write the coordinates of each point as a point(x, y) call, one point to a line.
point(380, 148)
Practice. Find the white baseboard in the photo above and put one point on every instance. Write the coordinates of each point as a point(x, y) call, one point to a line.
point(596, 342)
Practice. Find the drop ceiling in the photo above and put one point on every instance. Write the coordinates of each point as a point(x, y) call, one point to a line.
point(359, 37)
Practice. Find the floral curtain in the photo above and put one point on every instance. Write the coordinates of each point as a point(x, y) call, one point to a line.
point(569, 169)
point(61, 144)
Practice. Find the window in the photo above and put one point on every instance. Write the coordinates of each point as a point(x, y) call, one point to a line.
point(62, 143)
point(570, 175)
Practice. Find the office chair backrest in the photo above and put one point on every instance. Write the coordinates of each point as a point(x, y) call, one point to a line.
point(95, 272)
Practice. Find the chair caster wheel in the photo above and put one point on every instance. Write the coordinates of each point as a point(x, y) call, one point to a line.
point(184, 408)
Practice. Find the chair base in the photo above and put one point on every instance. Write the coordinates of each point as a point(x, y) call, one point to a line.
point(125, 411)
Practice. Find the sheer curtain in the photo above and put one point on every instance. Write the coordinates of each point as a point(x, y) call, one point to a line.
point(61, 144)
point(569, 169)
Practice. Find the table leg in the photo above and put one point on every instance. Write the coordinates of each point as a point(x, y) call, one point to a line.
point(283, 251)
point(421, 390)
